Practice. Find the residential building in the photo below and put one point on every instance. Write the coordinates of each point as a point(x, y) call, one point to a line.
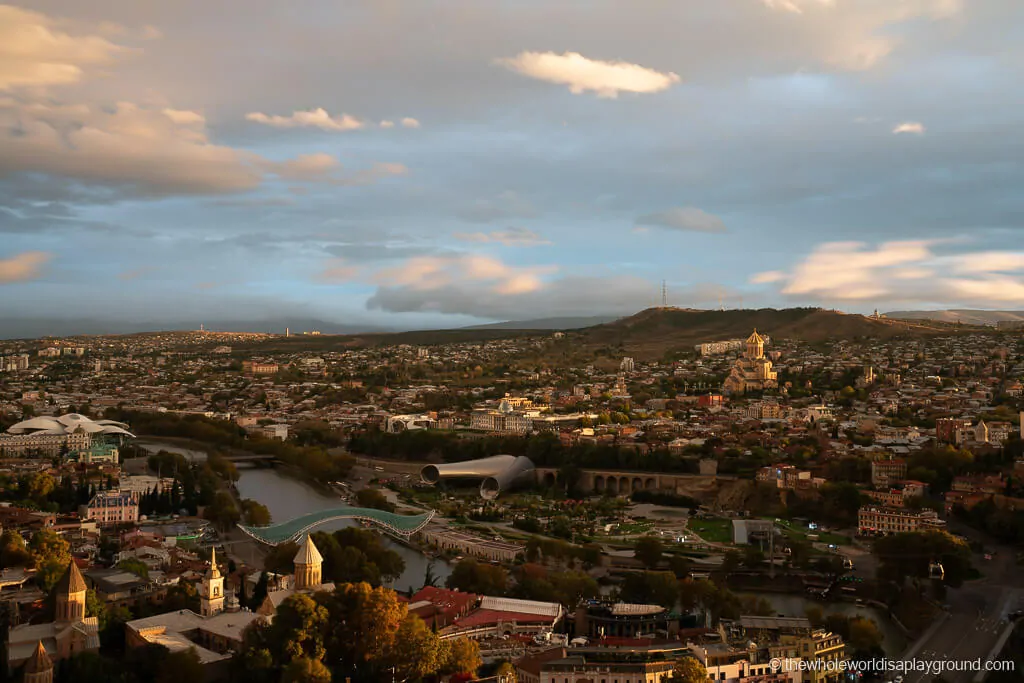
point(111, 507)
point(887, 472)
point(876, 520)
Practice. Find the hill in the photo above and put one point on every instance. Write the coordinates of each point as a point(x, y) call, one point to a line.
point(967, 316)
point(566, 323)
point(652, 332)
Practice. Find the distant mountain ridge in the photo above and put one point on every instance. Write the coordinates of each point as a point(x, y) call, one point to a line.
point(654, 331)
point(562, 323)
point(966, 316)
point(35, 328)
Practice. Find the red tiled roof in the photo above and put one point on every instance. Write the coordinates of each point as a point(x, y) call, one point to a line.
point(482, 617)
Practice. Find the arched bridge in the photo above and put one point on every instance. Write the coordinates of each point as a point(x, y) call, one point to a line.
point(294, 529)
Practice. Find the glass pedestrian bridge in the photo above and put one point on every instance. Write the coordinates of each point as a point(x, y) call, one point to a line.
point(294, 529)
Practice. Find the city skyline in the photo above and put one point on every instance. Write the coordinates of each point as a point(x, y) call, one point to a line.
point(401, 165)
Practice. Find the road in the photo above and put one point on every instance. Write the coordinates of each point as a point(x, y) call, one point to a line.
point(976, 618)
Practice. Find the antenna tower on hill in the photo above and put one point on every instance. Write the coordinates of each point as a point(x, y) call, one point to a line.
point(664, 295)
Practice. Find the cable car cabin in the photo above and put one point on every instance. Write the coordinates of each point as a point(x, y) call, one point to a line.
point(936, 571)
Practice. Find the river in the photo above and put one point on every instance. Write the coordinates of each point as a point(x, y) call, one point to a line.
point(287, 497)
point(789, 605)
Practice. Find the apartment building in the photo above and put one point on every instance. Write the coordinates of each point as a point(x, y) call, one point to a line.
point(878, 520)
point(111, 507)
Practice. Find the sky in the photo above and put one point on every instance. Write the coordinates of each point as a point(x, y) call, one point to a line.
point(428, 163)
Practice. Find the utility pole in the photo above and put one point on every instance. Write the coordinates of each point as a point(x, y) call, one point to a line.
point(664, 295)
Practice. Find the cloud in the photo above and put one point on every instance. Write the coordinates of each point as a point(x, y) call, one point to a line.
point(517, 296)
point(386, 124)
point(136, 273)
point(22, 267)
point(314, 118)
point(140, 150)
point(903, 271)
point(410, 122)
point(506, 205)
point(606, 79)
point(337, 271)
point(184, 117)
point(797, 6)
point(317, 166)
point(768, 277)
point(34, 52)
point(909, 127)
point(684, 218)
point(513, 237)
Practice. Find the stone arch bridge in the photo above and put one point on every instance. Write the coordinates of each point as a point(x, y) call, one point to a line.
point(622, 482)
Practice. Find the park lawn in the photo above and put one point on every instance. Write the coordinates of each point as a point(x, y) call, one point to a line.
point(711, 529)
point(795, 531)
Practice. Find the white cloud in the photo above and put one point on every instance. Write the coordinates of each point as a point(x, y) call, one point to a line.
point(315, 166)
point(425, 273)
point(684, 218)
point(513, 237)
point(606, 79)
point(22, 267)
point(387, 124)
point(768, 277)
point(410, 122)
point(141, 149)
point(903, 271)
point(185, 117)
point(914, 127)
point(34, 52)
point(797, 6)
point(314, 118)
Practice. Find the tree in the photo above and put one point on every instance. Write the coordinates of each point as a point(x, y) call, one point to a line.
point(181, 666)
point(752, 557)
point(731, 561)
point(182, 595)
point(864, 635)
point(689, 670)
point(279, 559)
point(306, 670)
point(659, 588)
point(505, 673)
point(473, 577)
point(648, 549)
point(222, 512)
point(13, 552)
point(255, 513)
point(462, 657)
point(135, 566)
point(416, 652)
point(298, 628)
point(47, 546)
point(373, 498)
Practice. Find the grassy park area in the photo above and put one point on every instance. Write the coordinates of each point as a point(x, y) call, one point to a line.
point(711, 529)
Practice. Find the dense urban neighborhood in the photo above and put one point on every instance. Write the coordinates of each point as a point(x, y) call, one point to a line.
point(539, 506)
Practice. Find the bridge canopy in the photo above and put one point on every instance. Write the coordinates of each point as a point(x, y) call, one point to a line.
point(293, 529)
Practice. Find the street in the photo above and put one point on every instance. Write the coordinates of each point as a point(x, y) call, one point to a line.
point(977, 616)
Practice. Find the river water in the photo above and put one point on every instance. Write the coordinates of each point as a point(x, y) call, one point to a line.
point(893, 640)
point(287, 497)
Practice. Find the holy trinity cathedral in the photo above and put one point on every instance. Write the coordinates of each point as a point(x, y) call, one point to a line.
point(752, 371)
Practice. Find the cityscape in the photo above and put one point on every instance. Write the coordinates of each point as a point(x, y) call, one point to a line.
point(369, 341)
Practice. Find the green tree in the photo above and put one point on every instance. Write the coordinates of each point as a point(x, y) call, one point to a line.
point(298, 628)
point(306, 670)
point(182, 595)
point(471, 576)
point(752, 557)
point(255, 513)
point(13, 552)
point(648, 549)
point(373, 498)
point(689, 670)
point(731, 561)
point(222, 512)
point(181, 666)
point(135, 566)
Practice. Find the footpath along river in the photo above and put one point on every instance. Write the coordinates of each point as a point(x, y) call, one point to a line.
point(288, 497)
